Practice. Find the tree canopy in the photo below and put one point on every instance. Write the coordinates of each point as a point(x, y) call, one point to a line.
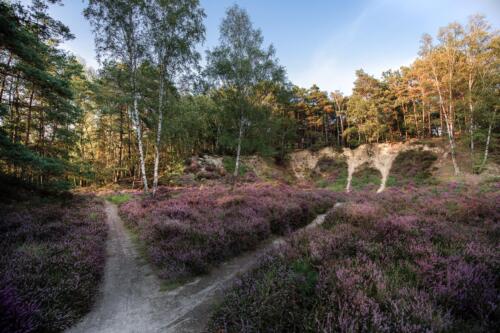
point(151, 104)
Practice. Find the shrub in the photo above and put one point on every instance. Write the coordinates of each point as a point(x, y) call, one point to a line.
point(185, 235)
point(331, 173)
point(406, 260)
point(412, 166)
point(366, 178)
point(229, 163)
point(51, 262)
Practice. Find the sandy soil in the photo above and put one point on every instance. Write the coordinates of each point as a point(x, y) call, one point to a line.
point(131, 297)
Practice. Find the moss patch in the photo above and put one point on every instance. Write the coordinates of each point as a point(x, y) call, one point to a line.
point(119, 199)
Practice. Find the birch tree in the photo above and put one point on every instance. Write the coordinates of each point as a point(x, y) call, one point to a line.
point(476, 41)
point(119, 30)
point(239, 63)
point(492, 77)
point(442, 62)
point(175, 26)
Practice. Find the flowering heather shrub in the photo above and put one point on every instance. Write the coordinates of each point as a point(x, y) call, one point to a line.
point(51, 262)
point(406, 260)
point(196, 228)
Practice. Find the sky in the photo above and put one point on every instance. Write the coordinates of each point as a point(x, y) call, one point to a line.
point(320, 42)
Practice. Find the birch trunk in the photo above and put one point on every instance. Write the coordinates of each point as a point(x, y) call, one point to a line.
point(238, 150)
point(471, 125)
point(448, 121)
point(136, 124)
point(488, 139)
point(158, 135)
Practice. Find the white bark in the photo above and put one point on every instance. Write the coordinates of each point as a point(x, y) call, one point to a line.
point(131, 42)
point(448, 121)
point(488, 139)
point(137, 127)
point(158, 136)
point(471, 125)
point(238, 150)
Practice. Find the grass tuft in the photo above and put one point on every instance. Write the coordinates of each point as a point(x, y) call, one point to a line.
point(119, 198)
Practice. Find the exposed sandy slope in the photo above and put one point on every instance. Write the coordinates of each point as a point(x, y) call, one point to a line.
point(379, 156)
point(131, 299)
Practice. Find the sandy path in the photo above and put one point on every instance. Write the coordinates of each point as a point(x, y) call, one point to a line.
point(131, 299)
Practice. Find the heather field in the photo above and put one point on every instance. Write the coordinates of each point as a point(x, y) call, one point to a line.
point(51, 262)
point(185, 232)
point(185, 166)
point(407, 260)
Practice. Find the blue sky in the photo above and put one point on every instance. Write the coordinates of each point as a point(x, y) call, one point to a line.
point(321, 41)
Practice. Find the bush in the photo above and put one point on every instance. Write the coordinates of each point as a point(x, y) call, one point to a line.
point(52, 260)
point(229, 163)
point(197, 228)
point(366, 178)
point(413, 166)
point(331, 174)
point(406, 260)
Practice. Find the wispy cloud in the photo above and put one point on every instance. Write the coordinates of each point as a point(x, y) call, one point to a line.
point(384, 35)
point(333, 64)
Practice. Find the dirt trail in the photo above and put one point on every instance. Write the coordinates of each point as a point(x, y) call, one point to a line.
point(131, 298)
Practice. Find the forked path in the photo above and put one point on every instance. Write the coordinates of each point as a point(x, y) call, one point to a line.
point(131, 299)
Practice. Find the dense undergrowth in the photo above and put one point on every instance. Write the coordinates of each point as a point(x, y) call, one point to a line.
point(412, 166)
point(51, 261)
point(187, 231)
point(406, 260)
point(366, 178)
point(331, 173)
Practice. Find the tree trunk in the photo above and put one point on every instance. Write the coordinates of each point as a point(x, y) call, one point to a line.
point(325, 127)
point(338, 131)
point(449, 122)
point(423, 119)
point(137, 126)
point(429, 121)
point(488, 139)
point(342, 130)
point(28, 121)
point(471, 125)
point(158, 135)
point(404, 123)
point(5, 77)
point(451, 139)
point(120, 149)
point(238, 150)
point(416, 119)
point(441, 122)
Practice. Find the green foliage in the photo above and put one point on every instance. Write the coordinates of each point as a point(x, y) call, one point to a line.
point(414, 166)
point(331, 173)
point(239, 64)
point(64, 125)
point(306, 270)
point(38, 115)
point(19, 157)
point(366, 177)
point(229, 163)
